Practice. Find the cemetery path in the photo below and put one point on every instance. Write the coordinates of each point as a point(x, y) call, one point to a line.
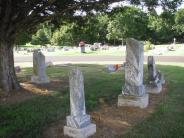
point(97, 58)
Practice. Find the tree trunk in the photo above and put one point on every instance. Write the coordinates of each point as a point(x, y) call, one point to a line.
point(8, 79)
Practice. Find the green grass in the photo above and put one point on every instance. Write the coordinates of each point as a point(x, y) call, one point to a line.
point(28, 119)
point(168, 119)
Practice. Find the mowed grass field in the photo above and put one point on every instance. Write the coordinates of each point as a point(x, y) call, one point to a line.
point(29, 118)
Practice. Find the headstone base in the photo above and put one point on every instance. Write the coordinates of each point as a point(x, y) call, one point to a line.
point(80, 133)
point(133, 101)
point(78, 121)
point(154, 88)
point(37, 80)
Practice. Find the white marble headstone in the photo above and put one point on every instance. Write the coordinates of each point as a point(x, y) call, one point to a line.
point(78, 123)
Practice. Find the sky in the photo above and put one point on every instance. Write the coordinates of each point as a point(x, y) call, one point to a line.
point(124, 3)
point(158, 9)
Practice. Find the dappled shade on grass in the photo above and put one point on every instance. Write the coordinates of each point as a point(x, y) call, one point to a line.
point(31, 117)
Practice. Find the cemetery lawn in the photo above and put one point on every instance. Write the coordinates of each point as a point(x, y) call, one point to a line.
point(40, 111)
point(113, 51)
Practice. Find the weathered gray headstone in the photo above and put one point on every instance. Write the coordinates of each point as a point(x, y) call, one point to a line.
point(133, 93)
point(39, 68)
point(78, 123)
point(82, 49)
point(152, 72)
point(155, 77)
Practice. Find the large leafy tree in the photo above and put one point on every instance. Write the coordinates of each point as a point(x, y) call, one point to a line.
point(91, 28)
point(43, 34)
point(170, 5)
point(179, 21)
point(95, 27)
point(23, 38)
point(16, 16)
point(127, 22)
point(161, 27)
point(64, 35)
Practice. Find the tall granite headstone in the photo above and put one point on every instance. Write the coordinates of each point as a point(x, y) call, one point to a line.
point(78, 123)
point(155, 77)
point(133, 92)
point(39, 68)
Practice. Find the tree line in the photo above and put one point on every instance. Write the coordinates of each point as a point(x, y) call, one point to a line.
point(111, 28)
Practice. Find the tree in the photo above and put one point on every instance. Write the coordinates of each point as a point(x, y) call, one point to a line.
point(113, 32)
point(161, 27)
point(17, 16)
point(127, 22)
point(167, 5)
point(170, 5)
point(179, 21)
point(63, 35)
point(90, 28)
point(23, 38)
point(101, 27)
point(43, 34)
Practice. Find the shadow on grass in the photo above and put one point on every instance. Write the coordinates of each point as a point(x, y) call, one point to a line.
point(29, 118)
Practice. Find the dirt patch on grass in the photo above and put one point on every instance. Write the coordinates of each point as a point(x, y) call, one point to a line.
point(30, 90)
point(15, 97)
point(112, 121)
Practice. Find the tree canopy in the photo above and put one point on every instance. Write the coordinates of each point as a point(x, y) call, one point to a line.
point(18, 16)
point(179, 20)
point(121, 22)
point(127, 22)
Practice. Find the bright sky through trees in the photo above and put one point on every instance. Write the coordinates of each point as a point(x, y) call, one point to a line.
point(125, 3)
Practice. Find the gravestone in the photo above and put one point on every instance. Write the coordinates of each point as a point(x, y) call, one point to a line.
point(82, 46)
point(78, 123)
point(174, 41)
point(155, 77)
point(51, 49)
point(39, 68)
point(133, 92)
